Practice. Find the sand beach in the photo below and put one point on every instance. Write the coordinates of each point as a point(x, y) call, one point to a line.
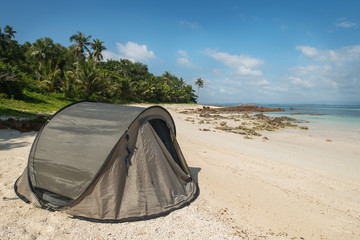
point(293, 182)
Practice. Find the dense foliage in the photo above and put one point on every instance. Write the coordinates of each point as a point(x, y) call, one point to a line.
point(78, 73)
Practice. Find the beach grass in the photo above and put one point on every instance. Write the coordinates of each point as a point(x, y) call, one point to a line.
point(33, 104)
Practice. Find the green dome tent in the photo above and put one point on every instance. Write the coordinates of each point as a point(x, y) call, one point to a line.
point(108, 162)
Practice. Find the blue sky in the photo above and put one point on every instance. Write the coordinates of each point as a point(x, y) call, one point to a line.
point(246, 51)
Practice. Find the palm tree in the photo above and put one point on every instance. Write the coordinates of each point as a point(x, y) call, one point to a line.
point(81, 43)
point(5, 37)
point(90, 79)
point(49, 76)
point(2, 40)
point(9, 32)
point(38, 52)
point(200, 84)
point(69, 86)
point(98, 47)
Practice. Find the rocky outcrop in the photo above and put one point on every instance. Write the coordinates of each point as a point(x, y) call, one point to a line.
point(239, 108)
point(242, 119)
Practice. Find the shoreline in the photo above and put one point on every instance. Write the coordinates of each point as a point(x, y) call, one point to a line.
point(295, 185)
point(294, 180)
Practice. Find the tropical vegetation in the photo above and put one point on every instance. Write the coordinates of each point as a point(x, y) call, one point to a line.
point(79, 72)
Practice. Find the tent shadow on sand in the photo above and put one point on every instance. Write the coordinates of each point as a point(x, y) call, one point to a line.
point(108, 162)
point(10, 139)
point(195, 173)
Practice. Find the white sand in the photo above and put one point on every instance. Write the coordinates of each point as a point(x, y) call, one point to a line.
point(291, 186)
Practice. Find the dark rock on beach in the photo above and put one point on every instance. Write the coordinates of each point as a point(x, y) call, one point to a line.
point(23, 125)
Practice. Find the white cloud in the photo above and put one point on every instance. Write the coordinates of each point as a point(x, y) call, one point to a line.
point(216, 71)
point(311, 69)
point(135, 52)
point(333, 68)
point(331, 83)
point(338, 56)
point(231, 83)
point(343, 23)
point(324, 76)
point(183, 53)
point(263, 82)
point(276, 89)
point(308, 51)
point(111, 55)
point(242, 64)
point(312, 76)
point(132, 51)
point(301, 82)
point(328, 72)
point(184, 59)
point(226, 90)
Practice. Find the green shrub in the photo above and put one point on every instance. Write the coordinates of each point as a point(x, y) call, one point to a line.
point(9, 82)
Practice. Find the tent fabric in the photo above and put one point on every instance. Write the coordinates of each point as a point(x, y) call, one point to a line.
point(108, 162)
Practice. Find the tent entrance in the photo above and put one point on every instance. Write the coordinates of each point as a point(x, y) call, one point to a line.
point(163, 132)
point(169, 140)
